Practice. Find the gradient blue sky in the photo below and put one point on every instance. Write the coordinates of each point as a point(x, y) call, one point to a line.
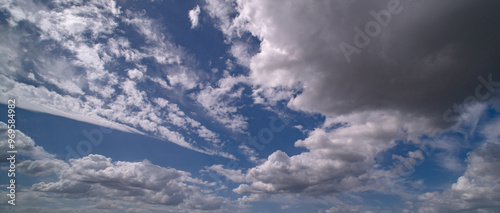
point(252, 106)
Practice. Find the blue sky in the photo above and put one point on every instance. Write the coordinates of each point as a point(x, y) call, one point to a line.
point(252, 106)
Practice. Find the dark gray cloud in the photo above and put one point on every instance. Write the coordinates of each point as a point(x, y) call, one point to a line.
point(405, 73)
point(427, 58)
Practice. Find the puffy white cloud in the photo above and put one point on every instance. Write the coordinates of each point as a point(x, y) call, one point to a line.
point(342, 207)
point(38, 162)
point(65, 186)
point(337, 160)
point(184, 78)
point(24, 144)
point(41, 167)
point(135, 74)
point(96, 176)
point(194, 16)
point(478, 189)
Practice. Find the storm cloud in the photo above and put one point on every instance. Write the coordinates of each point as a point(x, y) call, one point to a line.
point(428, 56)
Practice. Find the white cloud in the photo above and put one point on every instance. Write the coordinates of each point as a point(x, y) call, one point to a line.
point(158, 47)
point(337, 161)
point(38, 161)
point(219, 102)
point(41, 99)
point(477, 189)
point(91, 92)
point(239, 50)
point(194, 16)
point(184, 78)
point(250, 153)
point(233, 175)
point(99, 177)
point(449, 158)
point(24, 144)
point(96, 178)
point(181, 120)
point(41, 167)
point(135, 74)
point(221, 11)
point(342, 207)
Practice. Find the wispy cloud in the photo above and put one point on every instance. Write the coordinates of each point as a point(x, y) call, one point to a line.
point(194, 16)
point(86, 84)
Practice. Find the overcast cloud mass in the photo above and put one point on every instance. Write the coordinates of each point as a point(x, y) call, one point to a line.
point(251, 105)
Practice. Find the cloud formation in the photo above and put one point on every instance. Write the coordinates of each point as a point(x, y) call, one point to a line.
point(73, 69)
point(477, 190)
point(337, 160)
point(194, 16)
point(402, 82)
point(300, 49)
point(98, 176)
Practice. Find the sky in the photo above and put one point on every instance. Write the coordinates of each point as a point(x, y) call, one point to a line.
point(251, 105)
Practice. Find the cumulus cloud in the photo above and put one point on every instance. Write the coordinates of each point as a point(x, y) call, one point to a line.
point(143, 182)
point(338, 160)
point(41, 167)
point(477, 190)
point(300, 49)
point(98, 178)
point(342, 207)
point(38, 162)
point(24, 144)
point(406, 81)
